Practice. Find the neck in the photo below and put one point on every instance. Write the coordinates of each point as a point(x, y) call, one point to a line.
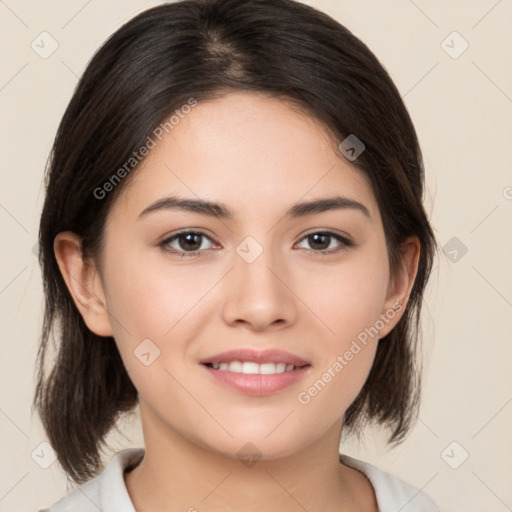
point(177, 474)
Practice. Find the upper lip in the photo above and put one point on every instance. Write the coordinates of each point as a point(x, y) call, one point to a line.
point(255, 356)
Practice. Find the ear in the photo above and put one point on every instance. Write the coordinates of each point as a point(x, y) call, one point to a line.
point(401, 285)
point(83, 282)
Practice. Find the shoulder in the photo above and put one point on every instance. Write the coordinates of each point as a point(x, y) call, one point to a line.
point(106, 492)
point(391, 492)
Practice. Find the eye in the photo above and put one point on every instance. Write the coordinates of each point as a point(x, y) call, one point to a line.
point(321, 242)
point(191, 243)
point(186, 243)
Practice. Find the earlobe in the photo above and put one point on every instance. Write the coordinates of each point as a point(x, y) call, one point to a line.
point(83, 282)
point(400, 287)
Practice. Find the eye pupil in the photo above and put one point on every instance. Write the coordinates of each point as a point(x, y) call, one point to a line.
point(190, 237)
point(314, 239)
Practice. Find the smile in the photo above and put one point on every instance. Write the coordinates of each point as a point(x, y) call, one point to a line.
point(252, 368)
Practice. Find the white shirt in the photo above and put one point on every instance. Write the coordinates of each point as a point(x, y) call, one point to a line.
point(107, 492)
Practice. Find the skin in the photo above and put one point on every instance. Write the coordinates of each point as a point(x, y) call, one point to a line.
point(257, 156)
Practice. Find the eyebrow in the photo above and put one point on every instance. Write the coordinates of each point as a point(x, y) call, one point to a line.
point(220, 210)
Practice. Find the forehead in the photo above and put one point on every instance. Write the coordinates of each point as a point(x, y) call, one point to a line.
point(247, 150)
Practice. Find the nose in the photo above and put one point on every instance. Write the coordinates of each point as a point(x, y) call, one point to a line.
point(259, 294)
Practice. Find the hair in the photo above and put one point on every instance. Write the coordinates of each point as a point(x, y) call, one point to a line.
point(147, 69)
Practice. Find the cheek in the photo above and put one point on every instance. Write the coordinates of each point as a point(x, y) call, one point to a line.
point(348, 298)
point(157, 312)
point(153, 299)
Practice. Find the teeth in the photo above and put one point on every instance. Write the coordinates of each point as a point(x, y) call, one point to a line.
point(251, 368)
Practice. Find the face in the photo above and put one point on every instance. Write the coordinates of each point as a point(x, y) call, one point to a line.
point(183, 286)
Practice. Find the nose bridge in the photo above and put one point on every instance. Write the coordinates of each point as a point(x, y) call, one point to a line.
point(257, 294)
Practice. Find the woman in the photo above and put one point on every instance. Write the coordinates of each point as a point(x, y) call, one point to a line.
point(233, 238)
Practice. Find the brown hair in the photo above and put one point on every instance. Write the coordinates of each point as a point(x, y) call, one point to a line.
point(148, 68)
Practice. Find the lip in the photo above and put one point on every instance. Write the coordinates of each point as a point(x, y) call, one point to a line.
point(255, 356)
point(256, 384)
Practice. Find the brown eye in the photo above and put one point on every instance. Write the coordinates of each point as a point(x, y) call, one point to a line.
point(186, 243)
point(325, 242)
point(190, 241)
point(319, 241)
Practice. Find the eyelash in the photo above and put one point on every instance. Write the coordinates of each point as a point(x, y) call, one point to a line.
point(164, 244)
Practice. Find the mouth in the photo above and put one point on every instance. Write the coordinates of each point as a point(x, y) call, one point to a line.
point(252, 368)
point(253, 372)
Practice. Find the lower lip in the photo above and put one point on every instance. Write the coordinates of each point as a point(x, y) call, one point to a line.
point(256, 384)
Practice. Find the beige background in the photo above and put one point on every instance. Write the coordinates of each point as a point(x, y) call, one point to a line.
point(462, 108)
